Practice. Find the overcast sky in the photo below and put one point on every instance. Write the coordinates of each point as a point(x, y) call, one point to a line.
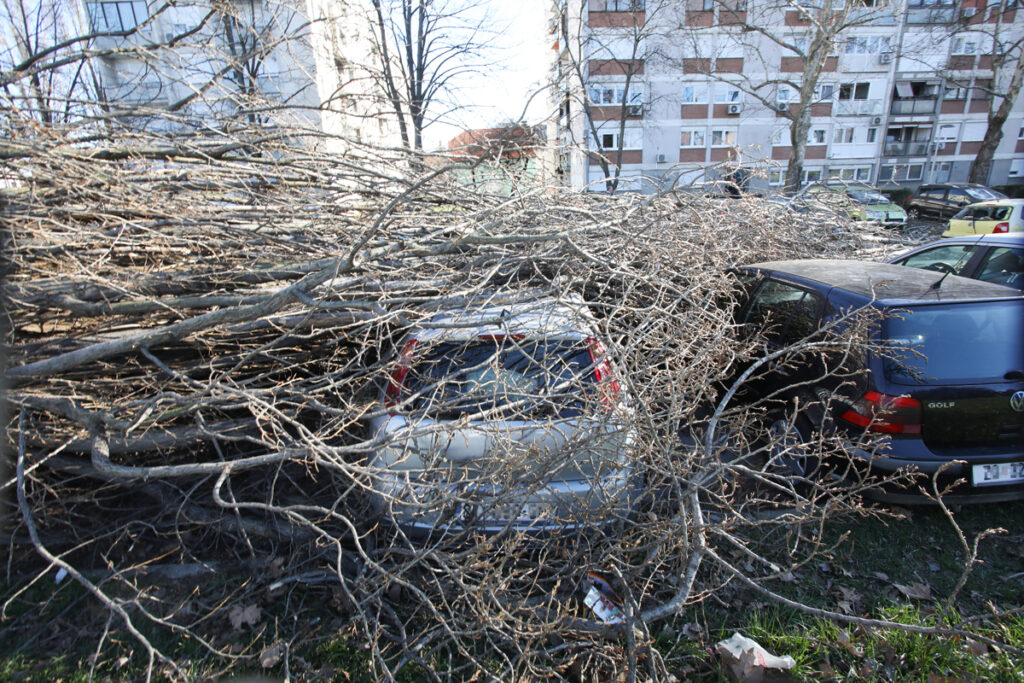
point(525, 55)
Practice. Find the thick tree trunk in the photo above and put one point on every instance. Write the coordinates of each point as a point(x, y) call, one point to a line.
point(981, 167)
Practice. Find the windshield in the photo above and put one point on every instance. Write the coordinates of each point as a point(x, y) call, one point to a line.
point(964, 343)
point(543, 376)
point(867, 197)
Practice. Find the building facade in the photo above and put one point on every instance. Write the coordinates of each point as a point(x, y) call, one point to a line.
point(684, 92)
point(296, 63)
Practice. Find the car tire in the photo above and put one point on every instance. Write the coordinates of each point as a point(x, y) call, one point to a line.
point(789, 452)
point(914, 213)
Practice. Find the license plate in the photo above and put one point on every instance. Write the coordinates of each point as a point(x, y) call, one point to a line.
point(998, 473)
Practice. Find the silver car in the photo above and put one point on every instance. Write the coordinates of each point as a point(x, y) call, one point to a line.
point(504, 417)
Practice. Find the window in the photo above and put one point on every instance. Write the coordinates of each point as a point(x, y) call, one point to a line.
point(708, 5)
point(954, 256)
point(787, 313)
point(817, 136)
point(982, 89)
point(784, 94)
point(872, 134)
point(825, 92)
point(947, 132)
point(777, 136)
point(871, 45)
point(695, 94)
point(843, 136)
point(776, 177)
point(854, 91)
point(123, 15)
point(727, 94)
point(906, 172)
point(964, 46)
point(723, 138)
point(812, 175)
point(603, 95)
point(632, 138)
point(693, 137)
point(623, 5)
point(953, 92)
point(1016, 168)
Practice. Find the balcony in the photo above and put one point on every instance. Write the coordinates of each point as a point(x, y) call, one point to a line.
point(906, 149)
point(857, 108)
point(922, 106)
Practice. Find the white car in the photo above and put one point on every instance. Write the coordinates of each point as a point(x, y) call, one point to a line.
point(503, 416)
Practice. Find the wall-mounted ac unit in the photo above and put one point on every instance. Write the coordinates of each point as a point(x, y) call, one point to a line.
point(782, 106)
point(662, 159)
point(875, 121)
point(884, 57)
point(636, 109)
point(734, 108)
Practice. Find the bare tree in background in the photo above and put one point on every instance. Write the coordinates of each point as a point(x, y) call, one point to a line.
point(423, 48)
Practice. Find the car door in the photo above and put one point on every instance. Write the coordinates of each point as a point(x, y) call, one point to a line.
point(956, 199)
point(965, 222)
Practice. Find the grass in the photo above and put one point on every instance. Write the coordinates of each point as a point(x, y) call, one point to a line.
point(868, 575)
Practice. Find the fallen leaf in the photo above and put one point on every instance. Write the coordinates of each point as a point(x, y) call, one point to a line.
point(915, 591)
point(881, 576)
point(787, 577)
point(271, 655)
point(977, 647)
point(244, 616)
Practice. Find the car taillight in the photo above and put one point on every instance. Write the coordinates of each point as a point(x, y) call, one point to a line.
point(603, 370)
point(886, 414)
point(394, 389)
point(1001, 227)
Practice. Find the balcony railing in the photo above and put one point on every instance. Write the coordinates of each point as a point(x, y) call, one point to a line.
point(913, 106)
point(906, 149)
point(857, 108)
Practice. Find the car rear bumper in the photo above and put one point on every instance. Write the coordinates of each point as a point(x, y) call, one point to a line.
point(952, 476)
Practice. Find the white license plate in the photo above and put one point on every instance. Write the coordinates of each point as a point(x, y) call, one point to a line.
point(998, 473)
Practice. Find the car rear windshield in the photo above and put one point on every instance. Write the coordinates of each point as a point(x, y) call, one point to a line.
point(963, 343)
point(543, 377)
point(982, 194)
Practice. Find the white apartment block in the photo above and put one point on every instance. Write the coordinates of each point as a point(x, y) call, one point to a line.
point(903, 97)
point(264, 62)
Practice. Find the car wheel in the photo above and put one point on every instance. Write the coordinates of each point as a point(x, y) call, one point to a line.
point(789, 450)
point(914, 213)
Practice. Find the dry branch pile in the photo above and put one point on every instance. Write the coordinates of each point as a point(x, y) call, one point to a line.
point(196, 346)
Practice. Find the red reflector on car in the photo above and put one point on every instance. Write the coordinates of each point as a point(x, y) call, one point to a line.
point(603, 370)
point(877, 412)
point(394, 389)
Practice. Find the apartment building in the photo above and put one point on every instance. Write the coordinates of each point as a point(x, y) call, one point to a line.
point(195, 64)
point(691, 91)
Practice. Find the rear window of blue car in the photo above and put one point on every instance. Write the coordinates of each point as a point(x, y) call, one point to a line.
point(962, 343)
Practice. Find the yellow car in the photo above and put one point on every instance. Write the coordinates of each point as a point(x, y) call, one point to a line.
point(993, 216)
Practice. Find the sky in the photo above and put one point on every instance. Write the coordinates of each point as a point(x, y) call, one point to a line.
point(524, 57)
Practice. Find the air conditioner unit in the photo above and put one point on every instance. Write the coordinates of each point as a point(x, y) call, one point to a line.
point(735, 108)
point(884, 57)
point(662, 158)
point(636, 109)
point(782, 106)
point(875, 121)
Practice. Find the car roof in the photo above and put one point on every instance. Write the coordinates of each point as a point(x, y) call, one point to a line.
point(999, 201)
point(886, 283)
point(564, 317)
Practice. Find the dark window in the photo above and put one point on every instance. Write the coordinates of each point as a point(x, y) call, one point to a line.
point(1004, 266)
point(787, 313)
point(861, 91)
point(935, 193)
point(468, 377)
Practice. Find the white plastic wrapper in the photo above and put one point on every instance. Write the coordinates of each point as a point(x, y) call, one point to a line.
point(746, 661)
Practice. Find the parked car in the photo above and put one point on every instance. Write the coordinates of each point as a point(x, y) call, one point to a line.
point(990, 258)
point(944, 200)
point(504, 416)
point(861, 202)
point(996, 216)
point(952, 399)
